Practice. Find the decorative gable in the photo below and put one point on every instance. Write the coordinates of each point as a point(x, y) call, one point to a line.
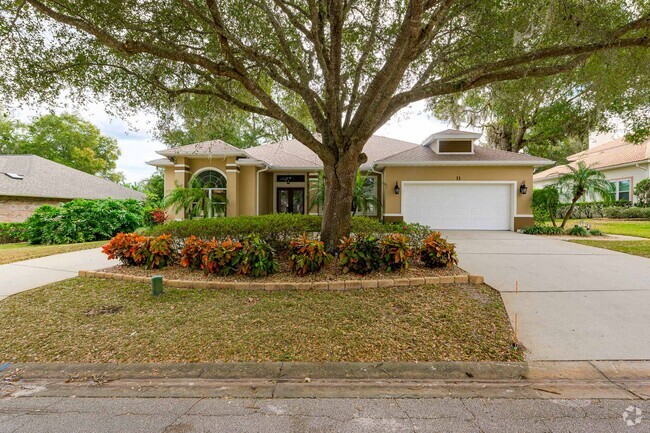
point(452, 142)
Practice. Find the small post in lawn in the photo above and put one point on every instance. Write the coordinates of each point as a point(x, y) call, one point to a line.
point(516, 312)
point(156, 285)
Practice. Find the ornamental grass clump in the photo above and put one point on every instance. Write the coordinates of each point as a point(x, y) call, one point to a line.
point(360, 255)
point(258, 258)
point(307, 255)
point(222, 258)
point(437, 252)
point(395, 252)
point(192, 253)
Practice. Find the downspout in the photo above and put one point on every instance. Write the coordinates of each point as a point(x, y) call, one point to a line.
point(383, 192)
point(257, 189)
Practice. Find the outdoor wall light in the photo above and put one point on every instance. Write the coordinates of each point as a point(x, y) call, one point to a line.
point(396, 189)
point(288, 180)
point(523, 189)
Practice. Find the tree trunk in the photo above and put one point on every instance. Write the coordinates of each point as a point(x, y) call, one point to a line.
point(570, 211)
point(339, 183)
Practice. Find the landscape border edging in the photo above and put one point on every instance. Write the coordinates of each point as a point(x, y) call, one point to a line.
point(272, 286)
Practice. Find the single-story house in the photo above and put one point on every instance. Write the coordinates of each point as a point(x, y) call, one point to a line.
point(29, 181)
point(448, 182)
point(623, 164)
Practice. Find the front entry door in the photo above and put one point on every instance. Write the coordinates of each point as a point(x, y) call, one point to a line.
point(291, 200)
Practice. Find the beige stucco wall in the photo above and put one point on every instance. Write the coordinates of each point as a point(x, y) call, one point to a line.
point(266, 193)
point(246, 192)
point(392, 202)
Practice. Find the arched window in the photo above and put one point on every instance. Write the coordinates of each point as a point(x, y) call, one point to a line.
point(214, 183)
point(211, 179)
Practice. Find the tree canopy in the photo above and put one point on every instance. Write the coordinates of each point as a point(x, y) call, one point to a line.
point(66, 139)
point(350, 65)
point(551, 116)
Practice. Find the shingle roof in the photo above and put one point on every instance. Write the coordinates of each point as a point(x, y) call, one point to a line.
point(424, 155)
point(47, 179)
point(204, 148)
point(611, 154)
point(161, 162)
point(293, 154)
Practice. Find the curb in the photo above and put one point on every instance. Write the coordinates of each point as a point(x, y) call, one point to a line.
point(436, 371)
point(316, 285)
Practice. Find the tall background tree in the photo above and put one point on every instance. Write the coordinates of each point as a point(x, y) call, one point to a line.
point(66, 139)
point(349, 64)
point(552, 117)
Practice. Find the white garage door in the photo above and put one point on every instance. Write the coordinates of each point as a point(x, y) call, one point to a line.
point(458, 206)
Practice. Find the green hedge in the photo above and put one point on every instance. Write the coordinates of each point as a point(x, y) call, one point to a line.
point(12, 232)
point(277, 229)
point(627, 212)
point(83, 221)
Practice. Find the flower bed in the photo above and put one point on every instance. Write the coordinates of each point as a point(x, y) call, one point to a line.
point(389, 259)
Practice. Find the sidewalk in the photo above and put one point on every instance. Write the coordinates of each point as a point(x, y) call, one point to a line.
point(29, 274)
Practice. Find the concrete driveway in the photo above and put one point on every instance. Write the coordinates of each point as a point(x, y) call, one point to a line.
point(575, 302)
point(20, 276)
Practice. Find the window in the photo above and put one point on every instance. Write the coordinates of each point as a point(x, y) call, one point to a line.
point(290, 178)
point(214, 184)
point(621, 189)
point(370, 189)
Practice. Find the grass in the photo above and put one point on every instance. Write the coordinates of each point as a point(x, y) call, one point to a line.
point(10, 253)
point(95, 320)
point(636, 248)
point(616, 227)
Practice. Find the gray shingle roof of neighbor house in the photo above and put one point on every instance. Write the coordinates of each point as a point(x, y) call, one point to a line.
point(43, 178)
point(611, 154)
point(424, 155)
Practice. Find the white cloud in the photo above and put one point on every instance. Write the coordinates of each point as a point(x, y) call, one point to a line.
point(134, 136)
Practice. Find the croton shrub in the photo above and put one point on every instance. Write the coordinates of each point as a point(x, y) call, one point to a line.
point(307, 255)
point(253, 256)
point(136, 250)
point(359, 254)
point(437, 252)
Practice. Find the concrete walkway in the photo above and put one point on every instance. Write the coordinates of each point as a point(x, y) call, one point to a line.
point(575, 302)
point(29, 274)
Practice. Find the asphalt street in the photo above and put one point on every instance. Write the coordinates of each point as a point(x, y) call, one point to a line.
point(176, 415)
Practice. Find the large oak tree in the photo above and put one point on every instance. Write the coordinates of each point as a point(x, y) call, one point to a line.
point(349, 64)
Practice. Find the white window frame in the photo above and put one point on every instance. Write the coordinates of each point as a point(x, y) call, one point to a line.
point(616, 183)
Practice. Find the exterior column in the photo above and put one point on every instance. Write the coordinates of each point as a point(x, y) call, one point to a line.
point(181, 179)
point(232, 188)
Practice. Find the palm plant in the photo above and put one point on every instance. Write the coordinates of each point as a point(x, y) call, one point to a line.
point(194, 200)
point(581, 182)
point(362, 198)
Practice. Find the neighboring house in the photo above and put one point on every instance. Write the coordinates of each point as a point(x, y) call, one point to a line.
point(624, 164)
point(29, 181)
point(448, 182)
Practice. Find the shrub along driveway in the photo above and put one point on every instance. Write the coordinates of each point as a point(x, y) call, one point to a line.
point(575, 303)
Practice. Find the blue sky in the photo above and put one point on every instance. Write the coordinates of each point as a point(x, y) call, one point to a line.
point(138, 145)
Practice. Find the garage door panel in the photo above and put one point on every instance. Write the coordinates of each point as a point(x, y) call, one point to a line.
point(458, 206)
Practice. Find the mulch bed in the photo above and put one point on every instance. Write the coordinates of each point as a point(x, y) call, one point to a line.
point(332, 272)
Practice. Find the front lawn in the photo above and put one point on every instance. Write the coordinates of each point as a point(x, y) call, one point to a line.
point(10, 253)
point(616, 227)
point(637, 248)
point(96, 320)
